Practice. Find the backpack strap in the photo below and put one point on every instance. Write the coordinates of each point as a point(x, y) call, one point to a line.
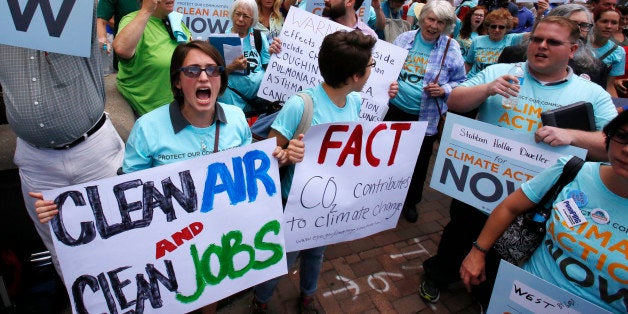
point(606, 54)
point(570, 170)
point(257, 38)
point(306, 118)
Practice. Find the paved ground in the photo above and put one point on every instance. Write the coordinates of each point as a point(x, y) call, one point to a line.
point(378, 274)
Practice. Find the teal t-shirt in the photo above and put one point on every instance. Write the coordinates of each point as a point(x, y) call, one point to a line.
point(153, 141)
point(616, 59)
point(325, 111)
point(410, 78)
point(535, 98)
point(465, 43)
point(249, 82)
point(484, 52)
point(589, 260)
point(144, 80)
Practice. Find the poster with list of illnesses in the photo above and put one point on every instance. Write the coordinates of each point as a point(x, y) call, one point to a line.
point(296, 68)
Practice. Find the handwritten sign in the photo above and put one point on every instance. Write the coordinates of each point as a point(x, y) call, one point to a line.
point(296, 67)
point(517, 291)
point(172, 238)
point(204, 17)
point(60, 26)
point(480, 164)
point(352, 181)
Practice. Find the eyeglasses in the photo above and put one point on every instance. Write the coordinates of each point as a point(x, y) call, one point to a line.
point(372, 64)
point(497, 26)
point(620, 137)
point(238, 15)
point(550, 41)
point(585, 26)
point(194, 71)
point(478, 14)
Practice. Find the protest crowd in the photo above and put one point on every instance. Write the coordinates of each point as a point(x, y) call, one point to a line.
point(498, 62)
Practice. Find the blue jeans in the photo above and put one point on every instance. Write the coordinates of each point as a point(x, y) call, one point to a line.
point(309, 269)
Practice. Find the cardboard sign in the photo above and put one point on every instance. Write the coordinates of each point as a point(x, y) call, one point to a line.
point(480, 163)
point(517, 291)
point(61, 26)
point(173, 238)
point(352, 182)
point(204, 17)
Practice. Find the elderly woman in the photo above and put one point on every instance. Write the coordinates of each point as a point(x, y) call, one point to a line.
point(606, 23)
point(144, 46)
point(424, 84)
point(588, 266)
point(247, 71)
point(270, 18)
point(485, 50)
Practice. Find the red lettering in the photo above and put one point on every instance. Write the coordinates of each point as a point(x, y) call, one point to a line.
point(399, 128)
point(163, 246)
point(178, 237)
point(372, 160)
point(328, 143)
point(353, 147)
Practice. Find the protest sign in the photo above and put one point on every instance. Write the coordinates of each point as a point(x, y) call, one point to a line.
point(59, 26)
point(204, 17)
point(296, 67)
point(173, 238)
point(517, 291)
point(352, 181)
point(480, 163)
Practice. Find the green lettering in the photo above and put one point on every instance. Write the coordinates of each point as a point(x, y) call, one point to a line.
point(200, 283)
point(230, 250)
point(210, 279)
point(277, 250)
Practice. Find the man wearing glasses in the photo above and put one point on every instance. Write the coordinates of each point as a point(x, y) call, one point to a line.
point(548, 83)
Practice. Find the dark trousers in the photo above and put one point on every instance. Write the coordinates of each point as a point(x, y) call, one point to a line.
point(464, 227)
point(415, 191)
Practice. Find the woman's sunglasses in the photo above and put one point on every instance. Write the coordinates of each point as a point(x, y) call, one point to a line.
point(194, 71)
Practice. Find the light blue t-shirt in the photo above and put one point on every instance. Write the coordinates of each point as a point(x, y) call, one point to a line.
point(589, 260)
point(410, 78)
point(535, 98)
point(465, 43)
point(325, 111)
point(484, 52)
point(616, 59)
point(249, 83)
point(153, 141)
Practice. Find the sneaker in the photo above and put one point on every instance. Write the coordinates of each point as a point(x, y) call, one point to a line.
point(429, 292)
point(258, 307)
point(307, 304)
point(410, 214)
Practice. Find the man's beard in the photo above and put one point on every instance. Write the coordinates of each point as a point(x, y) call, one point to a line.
point(334, 12)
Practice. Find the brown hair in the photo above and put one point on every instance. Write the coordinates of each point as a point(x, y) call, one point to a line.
point(498, 15)
point(574, 29)
point(344, 54)
point(465, 30)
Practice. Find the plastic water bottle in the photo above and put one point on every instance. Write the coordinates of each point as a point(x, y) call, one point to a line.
point(511, 101)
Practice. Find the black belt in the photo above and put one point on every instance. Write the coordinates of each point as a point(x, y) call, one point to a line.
point(89, 133)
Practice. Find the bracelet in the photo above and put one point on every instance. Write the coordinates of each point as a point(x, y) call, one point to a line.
point(479, 248)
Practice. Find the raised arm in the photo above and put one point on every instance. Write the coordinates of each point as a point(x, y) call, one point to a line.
point(127, 38)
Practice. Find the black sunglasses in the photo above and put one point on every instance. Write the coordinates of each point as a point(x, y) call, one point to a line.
point(194, 71)
point(550, 41)
point(585, 25)
point(497, 26)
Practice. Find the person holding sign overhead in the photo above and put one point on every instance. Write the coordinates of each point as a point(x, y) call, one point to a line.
point(433, 67)
point(593, 267)
point(345, 63)
point(548, 83)
point(144, 45)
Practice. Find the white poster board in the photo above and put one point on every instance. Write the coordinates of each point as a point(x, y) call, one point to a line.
point(204, 17)
point(352, 182)
point(173, 238)
point(59, 26)
point(296, 67)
